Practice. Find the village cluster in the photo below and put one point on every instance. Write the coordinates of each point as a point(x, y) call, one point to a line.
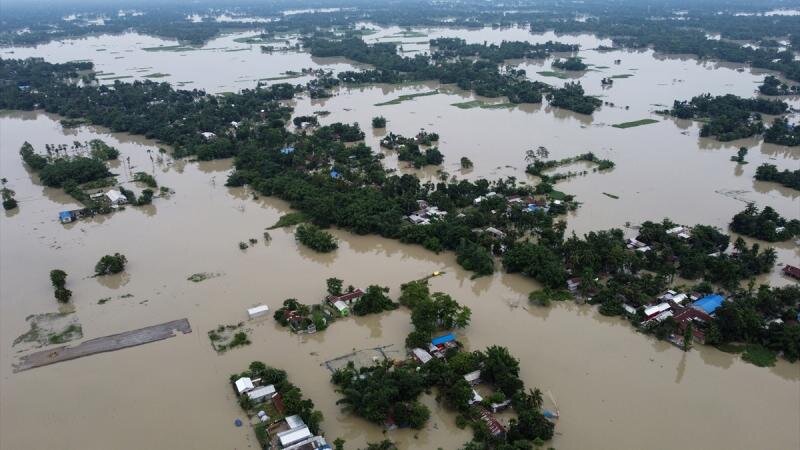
point(288, 433)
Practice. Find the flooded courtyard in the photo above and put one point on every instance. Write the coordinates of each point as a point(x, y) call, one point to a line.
point(615, 389)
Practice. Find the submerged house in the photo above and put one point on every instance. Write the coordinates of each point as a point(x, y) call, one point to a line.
point(116, 197)
point(473, 378)
point(341, 308)
point(348, 297)
point(421, 355)
point(243, 385)
point(792, 271)
point(709, 303)
point(299, 437)
point(257, 311)
point(66, 216)
point(261, 393)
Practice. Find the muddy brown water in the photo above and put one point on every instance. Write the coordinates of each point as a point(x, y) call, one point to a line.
point(615, 388)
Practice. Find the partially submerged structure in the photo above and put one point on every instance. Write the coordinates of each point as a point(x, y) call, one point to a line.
point(257, 311)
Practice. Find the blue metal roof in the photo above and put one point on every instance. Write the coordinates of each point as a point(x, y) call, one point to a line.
point(335, 174)
point(709, 303)
point(442, 339)
point(287, 150)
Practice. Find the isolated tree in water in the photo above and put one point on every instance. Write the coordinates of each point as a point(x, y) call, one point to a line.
point(109, 264)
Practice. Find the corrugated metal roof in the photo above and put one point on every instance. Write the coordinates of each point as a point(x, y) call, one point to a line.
point(709, 303)
point(443, 339)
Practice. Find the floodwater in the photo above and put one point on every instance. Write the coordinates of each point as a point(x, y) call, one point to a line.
point(615, 388)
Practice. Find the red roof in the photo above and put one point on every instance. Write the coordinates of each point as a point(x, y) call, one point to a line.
point(792, 271)
point(277, 400)
point(495, 427)
point(346, 297)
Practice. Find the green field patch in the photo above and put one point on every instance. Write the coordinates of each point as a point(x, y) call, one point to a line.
point(624, 75)
point(49, 329)
point(236, 50)
point(169, 48)
point(406, 97)
point(289, 219)
point(550, 73)
point(731, 347)
point(118, 77)
point(759, 355)
point(615, 197)
point(226, 337)
point(481, 104)
point(634, 123)
point(601, 67)
point(286, 76)
point(257, 40)
point(156, 75)
point(410, 34)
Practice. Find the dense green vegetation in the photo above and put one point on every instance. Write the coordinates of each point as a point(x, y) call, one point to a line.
point(379, 122)
point(431, 313)
point(766, 224)
point(572, 97)
point(374, 301)
point(472, 67)
point(110, 264)
point(383, 393)
point(9, 202)
point(56, 171)
point(728, 117)
point(58, 278)
point(788, 178)
point(575, 64)
point(629, 23)
point(155, 110)
point(289, 219)
point(335, 183)
point(315, 238)
point(145, 178)
point(538, 164)
point(408, 149)
point(783, 133)
point(773, 86)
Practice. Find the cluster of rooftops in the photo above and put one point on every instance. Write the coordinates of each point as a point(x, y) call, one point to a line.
point(289, 434)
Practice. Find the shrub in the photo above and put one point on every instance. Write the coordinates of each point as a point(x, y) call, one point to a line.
point(109, 264)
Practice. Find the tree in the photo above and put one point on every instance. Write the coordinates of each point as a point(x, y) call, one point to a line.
point(688, 336)
point(58, 278)
point(8, 196)
point(334, 286)
point(379, 122)
point(740, 155)
point(466, 163)
point(316, 239)
point(414, 292)
point(373, 301)
point(109, 264)
point(449, 313)
point(501, 369)
point(63, 294)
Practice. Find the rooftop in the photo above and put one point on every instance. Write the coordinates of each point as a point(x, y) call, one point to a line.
point(449, 337)
point(709, 303)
